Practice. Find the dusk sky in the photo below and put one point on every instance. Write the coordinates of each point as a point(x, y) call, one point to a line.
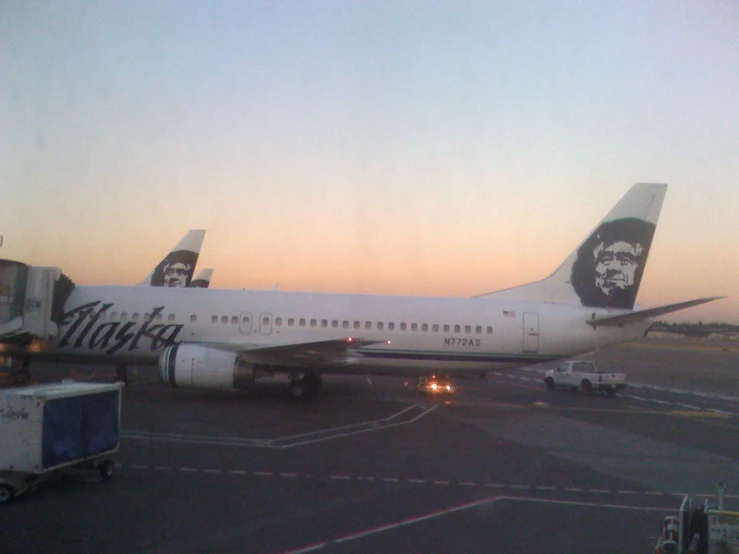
point(402, 147)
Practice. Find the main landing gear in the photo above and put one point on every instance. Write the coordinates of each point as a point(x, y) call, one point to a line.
point(305, 387)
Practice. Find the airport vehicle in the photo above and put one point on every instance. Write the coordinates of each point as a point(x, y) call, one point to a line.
point(700, 530)
point(227, 339)
point(585, 375)
point(433, 385)
point(46, 428)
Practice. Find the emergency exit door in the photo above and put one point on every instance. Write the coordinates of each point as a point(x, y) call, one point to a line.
point(530, 332)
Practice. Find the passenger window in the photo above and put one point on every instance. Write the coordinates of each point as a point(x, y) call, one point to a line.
point(380, 325)
point(324, 323)
point(113, 316)
point(193, 318)
point(446, 328)
point(478, 329)
point(425, 327)
point(357, 325)
point(224, 319)
point(124, 316)
point(302, 322)
point(489, 330)
point(467, 329)
point(147, 317)
point(457, 328)
point(313, 323)
point(135, 316)
point(291, 322)
point(435, 328)
point(391, 326)
point(234, 320)
point(214, 319)
point(278, 321)
point(368, 325)
point(414, 327)
point(170, 317)
point(335, 324)
point(403, 326)
point(345, 324)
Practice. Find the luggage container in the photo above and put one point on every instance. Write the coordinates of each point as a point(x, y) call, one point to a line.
point(45, 428)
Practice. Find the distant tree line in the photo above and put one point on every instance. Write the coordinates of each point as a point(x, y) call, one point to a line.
point(699, 329)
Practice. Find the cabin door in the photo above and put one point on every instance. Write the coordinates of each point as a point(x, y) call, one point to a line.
point(530, 332)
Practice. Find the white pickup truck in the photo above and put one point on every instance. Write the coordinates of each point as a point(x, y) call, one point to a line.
point(585, 375)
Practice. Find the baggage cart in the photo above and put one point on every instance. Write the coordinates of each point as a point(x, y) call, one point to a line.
point(46, 428)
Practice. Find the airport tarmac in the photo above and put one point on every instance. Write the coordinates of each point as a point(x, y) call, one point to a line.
point(501, 466)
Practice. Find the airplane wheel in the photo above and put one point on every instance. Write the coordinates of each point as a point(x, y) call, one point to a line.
point(6, 493)
point(549, 382)
point(106, 469)
point(296, 388)
point(587, 387)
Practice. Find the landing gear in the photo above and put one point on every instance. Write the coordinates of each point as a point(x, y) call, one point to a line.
point(305, 387)
point(121, 374)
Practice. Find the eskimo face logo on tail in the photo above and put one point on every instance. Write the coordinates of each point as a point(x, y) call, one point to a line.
point(610, 264)
point(175, 270)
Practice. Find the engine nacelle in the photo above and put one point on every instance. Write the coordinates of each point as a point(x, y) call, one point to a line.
point(199, 367)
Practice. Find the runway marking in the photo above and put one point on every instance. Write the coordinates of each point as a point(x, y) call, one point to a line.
point(406, 416)
point(460, 508)
point(238, 472)
point(188, 469)
point(416, 481)
point(263, 473)
point(441, 482)
point(212, 471)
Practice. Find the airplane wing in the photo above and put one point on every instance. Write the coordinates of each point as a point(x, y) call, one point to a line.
point(332, 351)
point(641, 315)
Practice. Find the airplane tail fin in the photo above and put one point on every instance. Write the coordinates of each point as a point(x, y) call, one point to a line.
point(605, 271)
point(177, 268)
point(202, 279)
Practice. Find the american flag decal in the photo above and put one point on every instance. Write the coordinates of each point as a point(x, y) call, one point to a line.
point(507, 313)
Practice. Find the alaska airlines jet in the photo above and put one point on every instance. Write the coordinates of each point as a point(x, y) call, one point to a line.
point(227, 339)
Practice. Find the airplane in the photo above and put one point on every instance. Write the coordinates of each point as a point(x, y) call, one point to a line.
point(202, 279)
point(228, 339)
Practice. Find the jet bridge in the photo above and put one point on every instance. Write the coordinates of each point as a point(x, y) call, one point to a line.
point(31, 302)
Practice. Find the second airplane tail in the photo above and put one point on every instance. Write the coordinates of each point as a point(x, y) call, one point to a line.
point(605, 271)
point(178, 267)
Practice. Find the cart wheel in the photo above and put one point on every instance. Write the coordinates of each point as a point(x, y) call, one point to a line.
point(6, 493)
point(107, 468)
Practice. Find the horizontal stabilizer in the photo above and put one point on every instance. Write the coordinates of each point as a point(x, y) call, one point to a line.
point(641, 315)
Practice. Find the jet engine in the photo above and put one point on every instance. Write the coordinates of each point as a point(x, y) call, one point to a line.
point(199, 367)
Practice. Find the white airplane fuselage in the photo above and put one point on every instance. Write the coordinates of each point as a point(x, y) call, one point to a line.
point(419, 334)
